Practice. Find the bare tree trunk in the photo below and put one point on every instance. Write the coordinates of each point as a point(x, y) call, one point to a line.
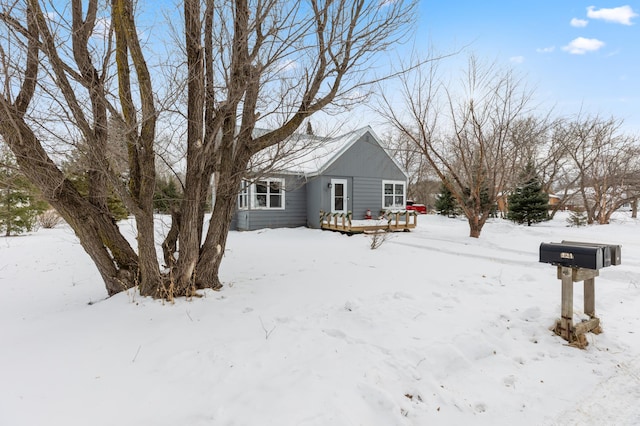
point(562, 204)
point(189, 239)
point(215, 243)
point(99, 235)
point(140, 140)
point(150, 278)
point(474, 227)
point(634, 208)
point(170, 243)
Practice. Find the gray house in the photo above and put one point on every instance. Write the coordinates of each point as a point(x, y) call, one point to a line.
point(353, 172)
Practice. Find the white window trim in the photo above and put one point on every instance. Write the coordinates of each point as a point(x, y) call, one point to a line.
point(404, 194)
point(345, 196)
point(253, 195)
point(245, 193)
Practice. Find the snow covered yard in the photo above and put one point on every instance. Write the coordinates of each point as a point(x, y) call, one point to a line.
point(315, 328)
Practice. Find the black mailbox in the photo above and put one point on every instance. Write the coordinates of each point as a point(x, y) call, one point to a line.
point(613, 253)
point(573, 255)
point(616, 254)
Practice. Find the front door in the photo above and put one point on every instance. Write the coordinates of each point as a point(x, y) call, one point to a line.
point(339, 196)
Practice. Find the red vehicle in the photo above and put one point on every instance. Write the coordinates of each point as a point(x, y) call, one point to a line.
point(420, 208)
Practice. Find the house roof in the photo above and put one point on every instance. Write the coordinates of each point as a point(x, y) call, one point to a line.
point(310, 155)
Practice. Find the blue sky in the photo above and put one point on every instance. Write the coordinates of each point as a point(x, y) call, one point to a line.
point(579, 55)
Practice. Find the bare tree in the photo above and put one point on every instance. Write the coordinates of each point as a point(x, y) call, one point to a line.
point(467, 137)
point(605, 163)
point(545, 142)
point(47, 66)
point(555, 165)
point(421, 178)
point(271, 63)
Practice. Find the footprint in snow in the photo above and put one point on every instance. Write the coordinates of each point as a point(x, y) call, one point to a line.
point(509, 381)
point(480, 408)
point(335, 333)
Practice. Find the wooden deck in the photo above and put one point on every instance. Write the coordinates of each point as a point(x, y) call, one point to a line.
point(388, 222)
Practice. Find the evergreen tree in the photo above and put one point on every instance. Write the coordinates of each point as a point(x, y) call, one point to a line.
point(114, 203)
point(577, 218)
point(528, 203)
point(485, 202)
point(20, 204)
point(167, 196)
point(446, 203)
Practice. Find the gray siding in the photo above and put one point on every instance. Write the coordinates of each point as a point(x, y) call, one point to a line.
point(365, 164)
point(364, 193)
point(368, 196)
point(365, 158)
point(294, 214)
point(240, 220)
point(317, 197)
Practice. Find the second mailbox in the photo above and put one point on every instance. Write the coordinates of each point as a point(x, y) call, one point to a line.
point(574, 256)
point(612, 252)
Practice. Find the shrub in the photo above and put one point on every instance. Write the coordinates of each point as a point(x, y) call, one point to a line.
point(49, 219)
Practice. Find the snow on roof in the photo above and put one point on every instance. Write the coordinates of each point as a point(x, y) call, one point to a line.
point(307, 155)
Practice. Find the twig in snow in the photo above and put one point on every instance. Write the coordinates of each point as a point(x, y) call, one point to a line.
point(267, 333)
point(136, 355)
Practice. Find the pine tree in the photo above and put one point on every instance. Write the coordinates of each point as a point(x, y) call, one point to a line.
point(114, 203)
point(485, 202)
point(577, 218)
point(167, 196)
point(20, 204)
point(446, 203)
point(528, 203)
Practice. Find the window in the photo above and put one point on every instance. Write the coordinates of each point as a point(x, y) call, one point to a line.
point(243, 195)
point(269, 194)
point(393, 194)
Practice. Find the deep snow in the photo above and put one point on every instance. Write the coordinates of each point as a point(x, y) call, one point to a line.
point(315, 328)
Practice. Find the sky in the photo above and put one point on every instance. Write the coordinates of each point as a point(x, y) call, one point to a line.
point(578, 55)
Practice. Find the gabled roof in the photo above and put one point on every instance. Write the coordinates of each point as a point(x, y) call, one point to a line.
point(310, 155)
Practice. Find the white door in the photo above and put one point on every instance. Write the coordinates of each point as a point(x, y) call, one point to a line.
point(339, 196)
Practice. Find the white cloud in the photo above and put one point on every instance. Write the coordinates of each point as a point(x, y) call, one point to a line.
point(579, 23)
point(546, 49)
point(516, 59)
point(619, 15)
point(287, 65)
point(581, 45)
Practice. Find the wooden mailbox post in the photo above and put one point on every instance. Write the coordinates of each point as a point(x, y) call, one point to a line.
point(564, 326)
point(577, 261)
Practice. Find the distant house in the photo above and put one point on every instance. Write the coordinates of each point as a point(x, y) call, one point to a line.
point(350, 173)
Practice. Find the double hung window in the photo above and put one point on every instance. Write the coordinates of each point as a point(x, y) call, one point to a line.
point(268, 194)
point(393, 194)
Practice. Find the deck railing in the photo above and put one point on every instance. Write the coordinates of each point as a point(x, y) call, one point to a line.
point(387, 221)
